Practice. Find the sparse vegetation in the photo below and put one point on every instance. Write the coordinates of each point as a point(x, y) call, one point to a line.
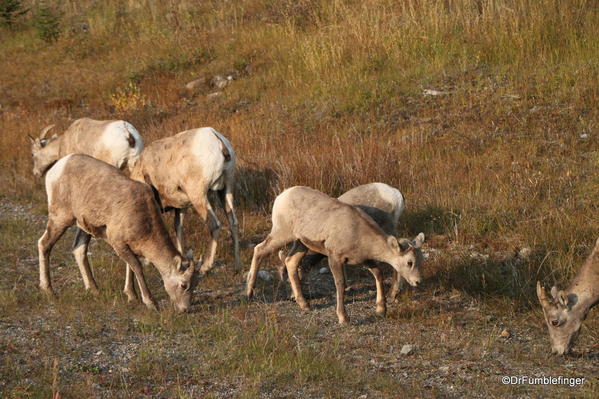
point(47, 22)
point(10, 11)
point(483, 113)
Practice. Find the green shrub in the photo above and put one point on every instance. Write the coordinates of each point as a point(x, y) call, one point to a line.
point(47, 23)
point(10, 10)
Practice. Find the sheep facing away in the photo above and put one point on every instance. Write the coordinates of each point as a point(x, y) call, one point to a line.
point(183, 169)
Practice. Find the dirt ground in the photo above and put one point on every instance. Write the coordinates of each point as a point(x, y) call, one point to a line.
point(459, 345)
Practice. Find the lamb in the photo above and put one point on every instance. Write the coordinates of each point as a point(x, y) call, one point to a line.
point(106, 204)
point(183, 169)
point(114, 142)
point(566, 309)
point(384, 204)
point(346, 234)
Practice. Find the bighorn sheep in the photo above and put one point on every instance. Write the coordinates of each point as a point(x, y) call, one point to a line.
point(107, 204)
point(384, 204)
point(114, 142)
point(338, 230)
point(566, 310)
point(182, 169)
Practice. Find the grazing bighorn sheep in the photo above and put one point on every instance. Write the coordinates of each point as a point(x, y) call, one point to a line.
point(567, 309)
point(384, 204)
point(182, 169)
point(338, 230)
point(107, 204)
point(114, 142)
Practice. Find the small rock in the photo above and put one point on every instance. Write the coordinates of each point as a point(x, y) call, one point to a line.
point(264, 275)
point(444, 369)
point(431, 92)
point(98, 353)
point(323, 270)
point(363, 396)
point(213, 95)
point(584, 136)
point(407, 349)
point(506, 334)
point(219, 82)
point(525, 253)
point(194, 84)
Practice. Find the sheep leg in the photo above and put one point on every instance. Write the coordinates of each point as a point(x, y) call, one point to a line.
point(129, 289)
point(179, 213)
point(226, 198)
point(292, 263)
point(281, 268)
point(306, 263)
point(398, 283)
point(80, 247)
point(266, 247)
point(214, 226)
point(54, 230)
point(347, 283)
point(381, 307)
point(337, 269)
point(130, 258)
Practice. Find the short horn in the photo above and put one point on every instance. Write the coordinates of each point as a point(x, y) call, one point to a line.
point(542, 295)
point(45, 131)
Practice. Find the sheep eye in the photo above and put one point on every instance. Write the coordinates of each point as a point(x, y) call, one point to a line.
point(184, 287)
point(555, 323)
point(410, 263)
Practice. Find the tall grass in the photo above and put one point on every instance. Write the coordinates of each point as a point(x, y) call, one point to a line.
point(329, 94)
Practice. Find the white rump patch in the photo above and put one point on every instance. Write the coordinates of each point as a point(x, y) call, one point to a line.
point(115, 139)
point(208, 151)
point(54, 173)
point(392, 196)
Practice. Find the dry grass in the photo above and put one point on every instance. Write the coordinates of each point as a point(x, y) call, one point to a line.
point(330, 94)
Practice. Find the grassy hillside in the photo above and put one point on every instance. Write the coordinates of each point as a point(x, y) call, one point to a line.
point(484, 113)
point(332, 94)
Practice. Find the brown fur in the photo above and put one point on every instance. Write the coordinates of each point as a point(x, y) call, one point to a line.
point(384, 204)
point(183, 169)
point(82, 137)
point(566, 309)
point(328, 226)
point(108, 205)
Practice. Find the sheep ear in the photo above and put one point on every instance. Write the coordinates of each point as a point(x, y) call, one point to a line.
point(178, 263)
point(542, 295)
point(188, 274)
point(595, 251)
point(419, 240)
point(392, 241)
